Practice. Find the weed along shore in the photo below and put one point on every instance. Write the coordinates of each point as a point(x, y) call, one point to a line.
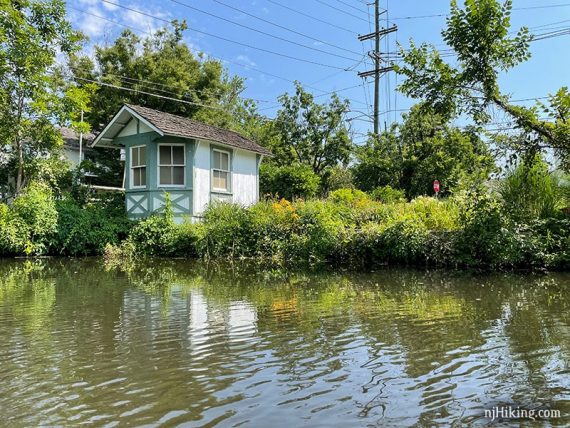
point(349, 228)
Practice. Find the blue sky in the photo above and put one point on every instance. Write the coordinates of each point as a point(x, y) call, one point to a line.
point(270, 75)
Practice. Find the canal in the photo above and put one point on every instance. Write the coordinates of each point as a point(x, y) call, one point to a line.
point(195, 344)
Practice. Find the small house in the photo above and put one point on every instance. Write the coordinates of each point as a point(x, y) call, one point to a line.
point(193, 162)
point(71, 149)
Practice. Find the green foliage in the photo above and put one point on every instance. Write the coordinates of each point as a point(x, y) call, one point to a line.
point(388, 195)
point(311, 134)
point(163, 57)
point(530, 191)
point(424, 148)
point(36, 208)
point(434, 150)
point(337, 177)
point(289, 182)
point(347, 196)
point(13, 233)
point(33, 98)
point(485, 238)
point(225, 230)
point(87, 230)
point(378, 162)
point(480, 36)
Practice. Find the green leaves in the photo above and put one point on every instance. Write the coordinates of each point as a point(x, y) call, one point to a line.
point(310, 133)
point(478, 34)
point(32, 96)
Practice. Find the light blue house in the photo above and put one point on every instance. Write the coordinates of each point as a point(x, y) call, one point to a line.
point(195, 163)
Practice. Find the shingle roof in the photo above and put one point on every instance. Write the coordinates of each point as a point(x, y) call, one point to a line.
point(179, 126)
point(71, 138)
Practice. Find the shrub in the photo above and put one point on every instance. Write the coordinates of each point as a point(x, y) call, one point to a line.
point(530, 191)
point(86, 231)
point(337, 177)
point(388, 195)
point(289, 182)
point(485, 237)
point(347, 196)
point(35, 207)
point(14, 233)
point(225, 231)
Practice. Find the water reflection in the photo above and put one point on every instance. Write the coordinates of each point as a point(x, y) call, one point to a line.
point(180, 343)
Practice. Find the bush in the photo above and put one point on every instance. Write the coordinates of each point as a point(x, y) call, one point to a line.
point(87, 231)
point(14, 233)
point(289, 182)
point(35, 208)
point(337, 177)
point(530, 191)
point(388, 195)
point(225, 231)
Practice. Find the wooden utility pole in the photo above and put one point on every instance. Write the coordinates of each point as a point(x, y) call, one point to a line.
point(376, 56)
point(376, 66)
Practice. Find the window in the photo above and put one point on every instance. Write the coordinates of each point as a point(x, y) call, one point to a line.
point(171, 165)
point(138, 166)
point(221, 171)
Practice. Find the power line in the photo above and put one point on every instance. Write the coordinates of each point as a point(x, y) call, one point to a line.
point(151, 94)
point(141, 82)
point(439, 15)
point(351, 6)
point(285, 28)
point(283, 39)
point(228, 40)
point(311, 17)
point(340, 10)
point(139, 30)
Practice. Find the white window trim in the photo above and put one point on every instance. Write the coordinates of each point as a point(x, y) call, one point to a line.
point(132, 175)
point(229, 171)
point(171, 165)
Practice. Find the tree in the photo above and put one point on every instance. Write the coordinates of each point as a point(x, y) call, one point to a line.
point(161, 64)
point(479, 36)
point(289, 182)
point(378, 161)
point(422, 149)
point(311, 134)
point(432, 149)
point(33, 96)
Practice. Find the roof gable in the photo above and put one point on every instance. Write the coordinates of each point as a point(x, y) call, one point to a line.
point(173, 125)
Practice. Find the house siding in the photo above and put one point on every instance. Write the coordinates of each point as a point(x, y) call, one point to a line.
point(244, 178)
point(201, 177)
point(141, 202)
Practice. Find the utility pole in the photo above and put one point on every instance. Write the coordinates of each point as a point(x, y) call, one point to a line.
point(376, 56)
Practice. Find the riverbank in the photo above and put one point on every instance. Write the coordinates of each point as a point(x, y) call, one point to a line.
point(348, 229)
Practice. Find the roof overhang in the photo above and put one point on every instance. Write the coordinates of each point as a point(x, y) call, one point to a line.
point(107, 136)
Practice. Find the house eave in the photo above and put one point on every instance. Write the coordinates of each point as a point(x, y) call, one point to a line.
point(110, 132)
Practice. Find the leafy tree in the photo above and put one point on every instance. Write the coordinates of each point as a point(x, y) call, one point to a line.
point(434, 150)
point(161, 64)
point(311, 134)
point(479, 35)
point(34, 97)
point(422, 149)
point(289, 182)
point(378, 161)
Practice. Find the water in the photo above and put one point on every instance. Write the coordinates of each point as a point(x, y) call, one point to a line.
point(178, 343)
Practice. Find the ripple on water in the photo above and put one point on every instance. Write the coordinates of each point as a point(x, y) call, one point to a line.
point(392, 349)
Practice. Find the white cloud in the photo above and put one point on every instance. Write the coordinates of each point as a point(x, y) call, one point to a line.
point(144, 22)
point(110, 6)
point(90, 25)
point(244, 59)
